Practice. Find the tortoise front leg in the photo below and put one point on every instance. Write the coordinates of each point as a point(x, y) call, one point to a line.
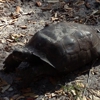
point(11, 63)
point(14, 60)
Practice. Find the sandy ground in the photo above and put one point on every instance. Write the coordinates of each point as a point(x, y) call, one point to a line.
point(19, 21)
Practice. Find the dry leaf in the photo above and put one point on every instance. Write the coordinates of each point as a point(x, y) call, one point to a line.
point(78, 98)
point(9, 40)
point(80, 84)
point(23, 27)
point(55, 15)
point(38, 3)
point(18, 9)
point(30, 95)
point(59, 91)
point(5, 88)
point(73, 91)
point(79, 3)
point(95, 92)
point(92, 97)
point(63, 93)
point(14, 36)
point(53, 94)
point(2, 0)
point(18, 43)
point(47, 94)
point(54, 19)
point(66, 7)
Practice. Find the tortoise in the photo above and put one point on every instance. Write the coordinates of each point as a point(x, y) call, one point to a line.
point(61, 47)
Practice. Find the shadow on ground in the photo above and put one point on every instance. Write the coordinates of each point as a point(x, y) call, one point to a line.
point(44, 84)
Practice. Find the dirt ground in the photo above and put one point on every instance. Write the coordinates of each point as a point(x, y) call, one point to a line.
point(19, 21)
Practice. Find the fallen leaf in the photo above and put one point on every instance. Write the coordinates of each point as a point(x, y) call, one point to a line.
point(59, 91)
point(2, 0)
point(49, 95)
point(92, 97)
point(63, 93)
point(79, 3)
point(38, 3)
point(53, 94)
point(80, 84)
point(67, 8)
point(54, 19)
point(13, 36)
point(95, 92)
point(5, 88)
point(20, 43)
point(9, 40)
point(17, 43)
point(23, 27)
point(78, 98)
point(73, 91)
point(84, 98)
point(18, 9)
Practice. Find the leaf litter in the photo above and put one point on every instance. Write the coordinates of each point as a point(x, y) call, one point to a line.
point(70, 11)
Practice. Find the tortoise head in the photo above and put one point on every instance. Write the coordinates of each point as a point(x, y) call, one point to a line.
point(15, 58)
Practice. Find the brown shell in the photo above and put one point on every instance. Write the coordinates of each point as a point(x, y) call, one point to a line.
point(66, 46)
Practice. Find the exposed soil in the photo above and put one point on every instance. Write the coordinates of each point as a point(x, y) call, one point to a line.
point(19, 21)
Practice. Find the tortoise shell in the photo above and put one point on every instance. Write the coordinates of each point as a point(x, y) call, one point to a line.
point(64, 46)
